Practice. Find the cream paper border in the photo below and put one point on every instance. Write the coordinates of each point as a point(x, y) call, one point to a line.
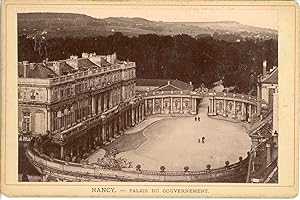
point(288, 45)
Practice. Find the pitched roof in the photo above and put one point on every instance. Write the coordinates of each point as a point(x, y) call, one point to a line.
point(151, 82)
point(167, 88)
point(104, 62)
point(163, 83)
point(272, 78)
point(38, 70)
point(85, 63)
point(64, 67)
point(180, 84)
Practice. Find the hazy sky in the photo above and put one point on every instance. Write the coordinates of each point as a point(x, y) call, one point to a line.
point(255, 17)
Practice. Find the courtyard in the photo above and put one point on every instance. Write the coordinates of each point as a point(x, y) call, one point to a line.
point(176, 143)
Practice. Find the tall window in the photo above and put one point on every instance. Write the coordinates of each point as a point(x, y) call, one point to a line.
point(55, 94)
point(61, 93)
point(68, 91)
point(55, 121)
point(26, 121)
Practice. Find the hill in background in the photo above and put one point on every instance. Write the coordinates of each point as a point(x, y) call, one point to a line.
point(56, 25)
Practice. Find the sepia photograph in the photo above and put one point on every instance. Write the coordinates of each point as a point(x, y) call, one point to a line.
point(150, 94)
point(130, 98)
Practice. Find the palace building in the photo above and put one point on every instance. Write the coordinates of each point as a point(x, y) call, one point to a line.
point(165, 97)
point(78, 102)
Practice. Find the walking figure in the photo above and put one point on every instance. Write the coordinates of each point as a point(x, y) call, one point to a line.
point(198, 140)
point(195, 119)
point(203, 139)
point(198, 119)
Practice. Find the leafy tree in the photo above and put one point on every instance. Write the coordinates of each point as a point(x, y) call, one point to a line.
point(202, 60)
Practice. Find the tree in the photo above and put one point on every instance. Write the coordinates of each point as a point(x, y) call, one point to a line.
point(240, 158)
point(138, 167)
point(226, 164)
point(203, 60)
point(208, 166)
point(186, 168)
point(162, 168)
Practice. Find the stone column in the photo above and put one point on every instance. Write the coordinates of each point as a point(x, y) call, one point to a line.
point(62, 152)
point(93, 106)
point(250, 113)
point(143, 111)
point(215, 106)
point(104, 102)
point(132, 117)
point(99, 104)
point(153, 106)
point(193, 102)
point(243, 110)
point(103, 132)
point(111, 96)
point(109, 130)
point(162, 105)
point(138, 113)
point(118, 124)
point(181, 105)
point(210, 106)
point(126, 119)
point(49, 115)
point(49, 95)
point(224, 108)
point(136, 119)
point(234, 111)
point(141, 114)
point(171, 107)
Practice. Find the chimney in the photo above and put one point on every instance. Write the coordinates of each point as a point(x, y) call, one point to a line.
point(84, 55)
point(108, 58)
point(26, 66)
point(73, 57)
point(47, 59)
point(264, 68)
point(168, 82)
point(191, 83)
point(55, 66)
point(115, 55)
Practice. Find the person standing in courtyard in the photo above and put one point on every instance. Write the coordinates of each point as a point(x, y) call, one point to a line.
point(195, 119)
point(198, 118)
point(203, 139)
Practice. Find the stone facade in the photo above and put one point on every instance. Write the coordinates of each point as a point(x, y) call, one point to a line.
point(172, 102)
point(93, 102)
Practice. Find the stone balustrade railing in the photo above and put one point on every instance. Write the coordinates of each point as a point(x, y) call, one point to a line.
point(89, 73)
point(95, 172)
point(241, 97)
point(175, 92)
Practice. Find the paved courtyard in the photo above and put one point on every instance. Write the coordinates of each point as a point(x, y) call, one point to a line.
point(173, 143)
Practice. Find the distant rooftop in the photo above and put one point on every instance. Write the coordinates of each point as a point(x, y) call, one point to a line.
point(163, 82)
point(272, 78)
point(50, 69)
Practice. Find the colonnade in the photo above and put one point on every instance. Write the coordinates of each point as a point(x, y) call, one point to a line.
point(106, 131)
point(231, 107)
point(64, 115)
point(171, 105)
